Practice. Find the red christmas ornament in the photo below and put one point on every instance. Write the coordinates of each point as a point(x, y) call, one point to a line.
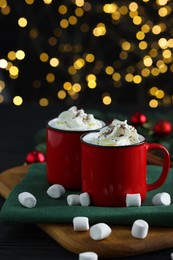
point(162, 127)
point(138, 119)
point(35, 156)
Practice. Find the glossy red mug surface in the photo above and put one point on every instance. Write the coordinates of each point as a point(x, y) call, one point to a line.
point(63, 157)
point(109, 173)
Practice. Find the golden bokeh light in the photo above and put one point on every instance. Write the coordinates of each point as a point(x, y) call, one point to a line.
point(110, 8)
point(133, 6)
point(64, 23)
point(99, 30)
point(106, 99)
point(43, 102)
point(109, 70)
point(79, 63)
point(3, 63)
point(29, 2)
point(50, 77)
point(147, 60)
point(14, 71)
point(54, 62)
point(22, 22)
point(47, 2)
point(20, 55)
point(90, 57)
point(17, 101)
point(67, 85)
point(153, 103)
point(79, 3)
point(62, 9)
point(61, 94)
point(76, 87)
point(44, 57)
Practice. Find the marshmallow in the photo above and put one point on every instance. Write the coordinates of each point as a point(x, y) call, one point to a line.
point(133, 200)
point(100, 231)
point(27, 199)
point(171, 256)
point(80, 223)
point(139, 229)
point(84, 199)
point(55, 191)
point(162, 198)
point(88, 256)
point(73, 199)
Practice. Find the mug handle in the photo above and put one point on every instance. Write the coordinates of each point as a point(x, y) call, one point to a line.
point(166, 165)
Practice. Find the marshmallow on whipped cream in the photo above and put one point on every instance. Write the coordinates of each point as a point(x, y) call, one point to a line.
point(118, 133)
point(75, 119)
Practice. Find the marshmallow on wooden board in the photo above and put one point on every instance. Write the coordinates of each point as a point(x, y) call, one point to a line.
point(27, 199)
point(162, 198)
point(84, 199)
point(73, 199)
point(88, 256)
point(139, 229)
point(100, 231)
point(55, 191)
point(133, 200)
point(80, 223)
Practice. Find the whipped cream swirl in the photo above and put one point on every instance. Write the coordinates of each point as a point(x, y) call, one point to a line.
point(77, 120)
point(118, 133)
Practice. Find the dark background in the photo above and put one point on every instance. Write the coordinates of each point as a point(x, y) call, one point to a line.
point(45, 34)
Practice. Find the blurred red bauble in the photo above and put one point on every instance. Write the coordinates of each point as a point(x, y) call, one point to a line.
point(162, 127)
point(34, 157)
point(138, 119)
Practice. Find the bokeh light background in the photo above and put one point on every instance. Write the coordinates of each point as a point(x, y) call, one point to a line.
point(76, 51)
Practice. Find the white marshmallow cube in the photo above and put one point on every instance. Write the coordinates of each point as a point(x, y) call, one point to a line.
point(133, 200)
point(81, 224)
point(139, 229)
point(27, 199)
point(73, 199)
point(171, 256)
point(162, 198)
point(88, 256)
point(55, 191)
point(84, 199)
point(100, 231)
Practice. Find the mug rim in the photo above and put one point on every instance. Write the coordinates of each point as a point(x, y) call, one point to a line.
point(110, 146)
point(73, 131)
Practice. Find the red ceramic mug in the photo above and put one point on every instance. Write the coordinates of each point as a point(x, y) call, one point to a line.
point(109, 173)
point(63, 157)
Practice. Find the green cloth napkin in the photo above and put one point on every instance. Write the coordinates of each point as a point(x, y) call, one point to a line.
point(48, 210)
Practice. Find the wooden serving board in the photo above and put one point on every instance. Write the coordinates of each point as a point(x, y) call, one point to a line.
point(120, 243)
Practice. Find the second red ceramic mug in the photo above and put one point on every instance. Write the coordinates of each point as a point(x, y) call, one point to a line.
point(109, 173)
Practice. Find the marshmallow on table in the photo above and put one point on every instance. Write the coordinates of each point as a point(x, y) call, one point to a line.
point(133, 200)
point(27, 199)
point(139, 229)
point(55, 191)
point(100, 231)
point(81, 224)
point(88, 256)
point(73, 199)
point(84, 199)
point(162, 198)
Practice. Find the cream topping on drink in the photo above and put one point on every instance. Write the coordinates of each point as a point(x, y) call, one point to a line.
point(118, 133)
point(75, 119)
